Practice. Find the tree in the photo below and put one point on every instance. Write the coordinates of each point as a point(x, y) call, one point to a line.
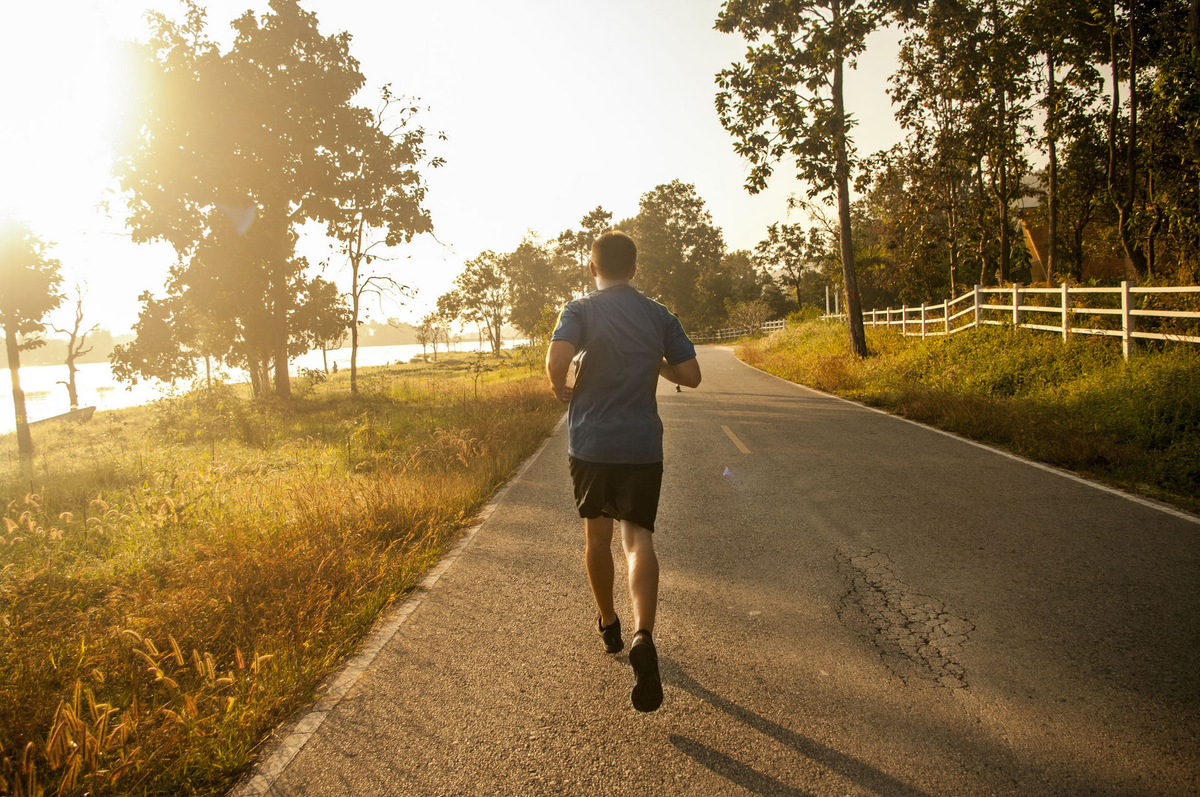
point(574, 249)
point(323, 317)
point(381, 190)
point(790, 251)
point(236, 150)
point(537, 284)
point(678, 247)
point(749, 316)
point(788, 100)
point(164, 344)
point(76, 341)
point(483, 296)
point(31, 283)
point(425, 334)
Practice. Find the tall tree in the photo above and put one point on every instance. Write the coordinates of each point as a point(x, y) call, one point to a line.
point(482, 295)
point(537, 284)
point(678, 248)
point(31, 283)
point(378, 201)
point(788, 99)
point(253, 134)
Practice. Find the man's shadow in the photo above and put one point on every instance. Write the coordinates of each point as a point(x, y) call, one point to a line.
point(861, 774)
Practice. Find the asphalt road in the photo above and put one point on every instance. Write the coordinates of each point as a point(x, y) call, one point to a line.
point(858, 605)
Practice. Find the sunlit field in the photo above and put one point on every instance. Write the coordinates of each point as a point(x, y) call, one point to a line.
point(1132, 424)
point(176, 580)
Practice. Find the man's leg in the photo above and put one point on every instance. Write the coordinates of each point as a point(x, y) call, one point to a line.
point(643, 574)
point(598, 557)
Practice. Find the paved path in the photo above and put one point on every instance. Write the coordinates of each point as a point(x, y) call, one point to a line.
point(858, 605)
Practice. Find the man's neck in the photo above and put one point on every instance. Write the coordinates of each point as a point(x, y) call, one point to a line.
point(605, 282)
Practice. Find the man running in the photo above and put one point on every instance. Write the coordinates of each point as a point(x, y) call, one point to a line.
point(625, 341)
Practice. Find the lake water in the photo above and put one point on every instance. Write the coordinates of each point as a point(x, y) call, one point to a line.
point(45, 398)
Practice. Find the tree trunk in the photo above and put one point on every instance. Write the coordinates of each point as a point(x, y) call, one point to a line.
point(952, 224)
point(356, 258)
point(24, 439)
point(982, 218)
point(255, 375)
point(283, 385)
point(1124, 204)
point(1005, 245)
point(72, 390)
point(1052, 152)
point(1194, 27)
point(854, 321)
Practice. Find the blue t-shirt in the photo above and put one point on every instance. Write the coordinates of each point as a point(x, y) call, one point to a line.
point(621, 336)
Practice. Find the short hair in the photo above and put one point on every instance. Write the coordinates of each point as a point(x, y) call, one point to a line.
point(615, 254)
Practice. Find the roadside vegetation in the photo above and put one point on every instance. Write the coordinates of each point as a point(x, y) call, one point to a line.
point(1135, 425)
point(177, 579)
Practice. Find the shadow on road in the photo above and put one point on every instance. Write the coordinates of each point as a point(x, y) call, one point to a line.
point(734, 771)
point(858, 772)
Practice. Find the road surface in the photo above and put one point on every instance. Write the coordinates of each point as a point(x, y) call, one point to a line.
point(851, 604)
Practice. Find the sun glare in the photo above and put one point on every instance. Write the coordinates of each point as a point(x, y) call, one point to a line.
point(63, 99)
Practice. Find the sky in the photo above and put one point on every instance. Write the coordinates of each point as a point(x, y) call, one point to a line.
point(549, 107)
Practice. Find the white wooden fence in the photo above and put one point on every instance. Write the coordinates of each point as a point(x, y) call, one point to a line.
point(737, 332)
point(1013, 305)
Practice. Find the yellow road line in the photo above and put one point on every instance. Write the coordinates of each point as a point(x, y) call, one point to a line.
point(741, 446)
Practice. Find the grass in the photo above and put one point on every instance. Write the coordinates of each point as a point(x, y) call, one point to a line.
point(1080, 406)
point(176, 580)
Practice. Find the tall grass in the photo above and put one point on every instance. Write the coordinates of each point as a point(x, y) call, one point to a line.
point(1078, 406)
point(176, 580)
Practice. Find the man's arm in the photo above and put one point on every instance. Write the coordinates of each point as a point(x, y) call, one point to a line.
point(558, 362)
point(686, 373)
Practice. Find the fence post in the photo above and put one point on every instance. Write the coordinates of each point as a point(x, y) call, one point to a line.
point(889, 318)
point(946, 315)
point(923, 320)
point(1066, 311)
point(826, 300)
point(904, 321)
point(837, 303)
point(1126, 320)
point(977, 310)
point(1016, 304)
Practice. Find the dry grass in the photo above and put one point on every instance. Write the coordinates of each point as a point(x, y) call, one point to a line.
point(179, 579)
point(1132, 424)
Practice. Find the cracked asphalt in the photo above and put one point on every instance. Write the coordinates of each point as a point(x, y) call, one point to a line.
point(857, 606)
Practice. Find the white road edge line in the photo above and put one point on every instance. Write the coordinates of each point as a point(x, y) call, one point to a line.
point(271, 766)
point(1066, 474)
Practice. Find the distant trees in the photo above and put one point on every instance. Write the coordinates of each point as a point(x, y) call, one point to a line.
point(482, 295)
point(31, 281)
point(679, 250)
point(234, 152)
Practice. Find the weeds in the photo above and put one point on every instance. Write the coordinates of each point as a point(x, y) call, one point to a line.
point(179, 579)
point(1079, 406)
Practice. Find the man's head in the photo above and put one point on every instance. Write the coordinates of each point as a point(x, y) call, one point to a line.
point(614, 256)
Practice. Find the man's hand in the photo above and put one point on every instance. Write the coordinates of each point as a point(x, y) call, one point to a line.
point(558, 363)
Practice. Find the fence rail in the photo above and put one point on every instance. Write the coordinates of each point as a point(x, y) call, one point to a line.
point(737, 332)
point(982, 309)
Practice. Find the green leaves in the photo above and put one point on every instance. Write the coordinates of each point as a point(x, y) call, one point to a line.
point(30, 279)
point(780, 102)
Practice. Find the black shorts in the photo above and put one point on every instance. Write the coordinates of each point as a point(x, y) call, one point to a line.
point(621, 492)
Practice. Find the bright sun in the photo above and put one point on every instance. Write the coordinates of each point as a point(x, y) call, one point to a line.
point(63, 97)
